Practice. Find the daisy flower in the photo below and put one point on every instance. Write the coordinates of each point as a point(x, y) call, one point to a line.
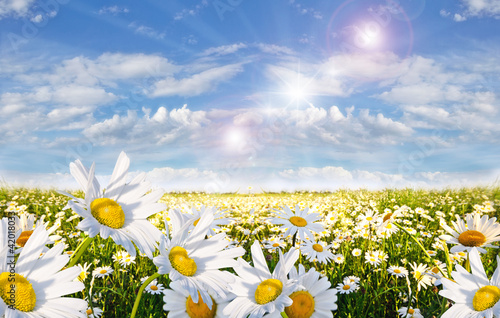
point(154, 288)
point(479, 233)
point(347, 287)
point(26, 224)
point(316, 250)
point(372, 259)
point(94, 312)
point(300, 222)
point(121, 210)
point(104, 271)
point(39, 281)
point(83, 271)
point(473, 294)
point(397, 271)
point(179, 303)
point(315, 298)
point(274, 244)
point(195, 261)
point(408, 312)
point(356, 252)
point(420, 275)
point(338, 258)
point(257, 290)
point(220, 218)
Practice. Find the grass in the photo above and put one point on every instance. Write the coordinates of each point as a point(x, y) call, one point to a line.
point(379, 294)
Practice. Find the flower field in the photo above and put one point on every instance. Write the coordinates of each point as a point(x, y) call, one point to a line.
point(350, 253)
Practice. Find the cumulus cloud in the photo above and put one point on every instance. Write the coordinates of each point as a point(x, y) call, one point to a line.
point(16, 8)
point(162, 128)
point(480, 8)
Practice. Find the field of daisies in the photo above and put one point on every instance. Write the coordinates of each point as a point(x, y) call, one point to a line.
point(127, 249)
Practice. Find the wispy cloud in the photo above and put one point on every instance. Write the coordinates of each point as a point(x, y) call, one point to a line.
point(191, 12)
point(146, 31)
point(113, 10)
point(195, 84)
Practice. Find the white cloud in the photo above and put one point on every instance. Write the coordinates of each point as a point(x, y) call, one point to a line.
point(275, 49)
point(444, 13)
point(191, 12)
point(16, 8)
point(195, 84)
point(479, 8)
point(114, 10)
point(162, 128)
point(224, 50)
point(146, 31)
point(459, 18)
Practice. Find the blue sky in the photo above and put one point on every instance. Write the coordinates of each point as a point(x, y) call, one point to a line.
point(219, 95)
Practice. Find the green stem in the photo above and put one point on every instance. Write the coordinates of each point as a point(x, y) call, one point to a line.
point(283, 314)
point(79, 251)
point(139, 293)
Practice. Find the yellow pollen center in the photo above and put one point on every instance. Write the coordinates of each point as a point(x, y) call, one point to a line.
point(23, 238)
point(417, 274)
point(486, 297)
point(298, 221)
point(346, 287)
point(103, 271)
point(276, 245)
point(268, 291)
point(411, 311)
point(108, 212)
point(435, 270)
point(17, 291)
point(397, 271)
point(303, 305)
point(153, 287)
point(89, 312)
point(472, 238)
point(318, 248)
point(180, 260)
point(196, 222)
point(200, 309)
point(387, 217)
point(369, 218)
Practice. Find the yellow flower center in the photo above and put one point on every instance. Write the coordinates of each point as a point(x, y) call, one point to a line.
point(108, 212)
point(303, 305)
point(417, 274)
point(89, 312)
point(181, 262)
point(435, 270)
point(103, 271)
point(196, 222)
point(411, 311)
point(387, 217)
point(472, 238)
point(23, 238)
point(369, 218)
point(16, 291)
point(200, 309)
point(153, 287)
point(298, 221)
point(276, 245)
point(268, 291)
point(486, 297)
point(346, 287)
point(318, 248)
point(397, 271)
